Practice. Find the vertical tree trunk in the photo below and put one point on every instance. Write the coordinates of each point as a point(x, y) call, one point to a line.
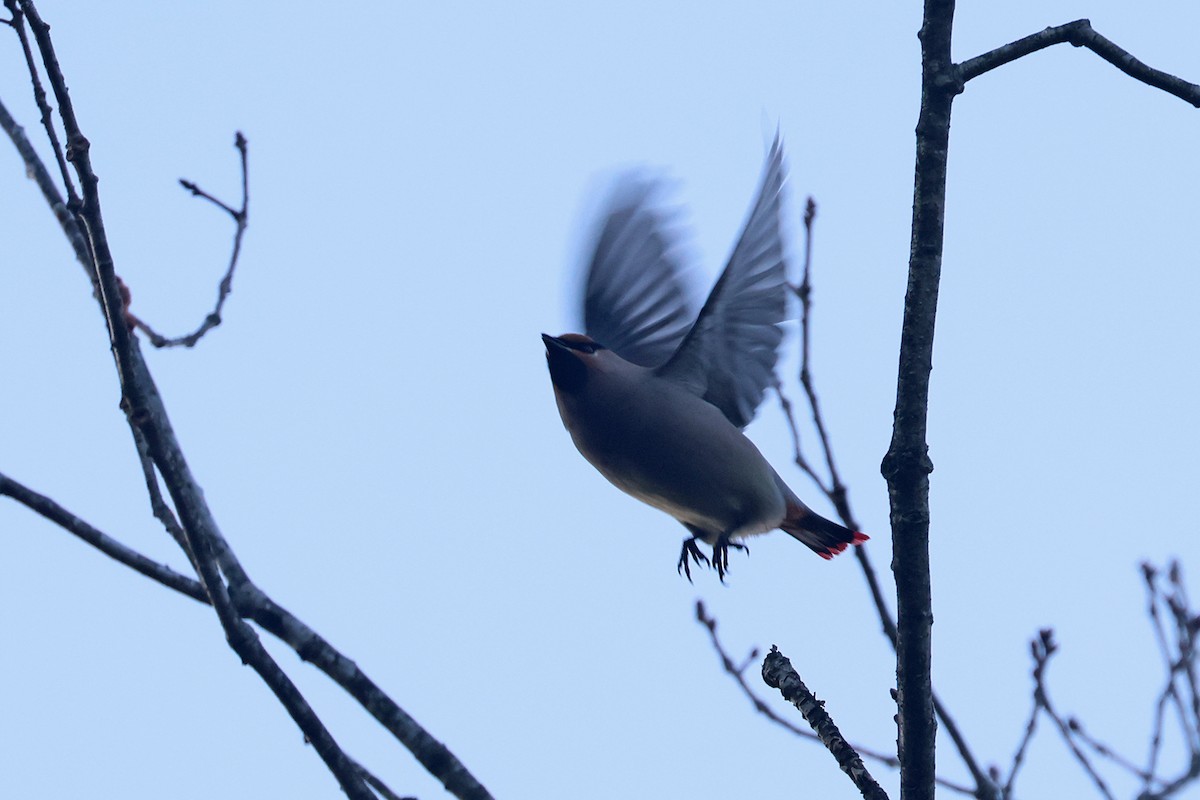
point(907, 465)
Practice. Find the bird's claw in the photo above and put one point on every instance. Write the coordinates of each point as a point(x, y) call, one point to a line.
point(720, 558)
point(690, 553)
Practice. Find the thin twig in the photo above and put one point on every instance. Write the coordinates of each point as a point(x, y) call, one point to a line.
point(1104, 751)
point(1149, 576)
point(39, 95)
point(1187, 626)
point(240, 218)
point(158, 506)
point(1019, 756)
point(1180, 658)
point(798, 452)
point(1042, 648)
point(837, 490)
point(837, 493)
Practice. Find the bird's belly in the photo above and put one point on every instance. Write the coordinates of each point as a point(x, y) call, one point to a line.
point(734, 517)
point(718, 483)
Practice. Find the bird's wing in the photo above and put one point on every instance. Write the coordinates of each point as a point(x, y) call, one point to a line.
point(636, 299)
point(728, 357)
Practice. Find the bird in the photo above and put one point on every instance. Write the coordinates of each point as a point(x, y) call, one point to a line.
point(655, 395)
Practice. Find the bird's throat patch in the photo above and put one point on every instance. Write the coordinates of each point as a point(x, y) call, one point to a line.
point(566, 370)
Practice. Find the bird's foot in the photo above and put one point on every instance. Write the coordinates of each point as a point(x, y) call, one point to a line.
point(691, 551)
point(691, 554)
point(720, 557)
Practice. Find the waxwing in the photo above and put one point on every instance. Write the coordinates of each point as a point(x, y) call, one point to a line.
point(655, 396)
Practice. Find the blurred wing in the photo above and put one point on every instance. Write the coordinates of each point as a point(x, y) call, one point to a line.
point(636, 301)
point(728, 357)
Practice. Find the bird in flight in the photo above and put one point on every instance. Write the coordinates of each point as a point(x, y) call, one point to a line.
point(655, 396)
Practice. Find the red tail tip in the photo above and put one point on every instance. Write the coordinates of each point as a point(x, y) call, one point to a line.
point(840, 547)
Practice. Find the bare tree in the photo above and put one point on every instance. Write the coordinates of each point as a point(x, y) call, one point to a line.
point(70, 189)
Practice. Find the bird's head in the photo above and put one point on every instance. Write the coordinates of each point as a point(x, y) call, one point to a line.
point(570, 358)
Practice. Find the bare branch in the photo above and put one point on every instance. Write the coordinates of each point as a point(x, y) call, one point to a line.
point(1180, 691)
point(1080, 33)
point(247, 643)
point(240, 220)
point(378, 785)
point(278, 621)
point(837, 490)
point(1179, 660)
point(1022, 748)
point(251, 602)
point(134, 378)
point(1168, 694)
point(798, 456)
point(1187, 625)
point(41, 176)
point(837, 493)
point(1104, 751)
point(1042, 648)
point(39, 95)
point(738, 673)
point(52, 511)
point(777, 673)
point(164, 575)
point(907, 465)
point(158, 506)
point(804, 293)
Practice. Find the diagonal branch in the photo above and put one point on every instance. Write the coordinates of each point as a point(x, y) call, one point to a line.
point(738, 675)
point(250, 601)
point(54, 512)
point(41, 176)
point(39, 95)
point(777, 672)
point(163, 574)
point(283, 625)
point(134, 378)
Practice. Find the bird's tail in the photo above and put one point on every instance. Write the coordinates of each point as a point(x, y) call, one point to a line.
point(824, 537)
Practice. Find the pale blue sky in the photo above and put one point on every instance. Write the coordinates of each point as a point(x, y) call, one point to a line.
point(374, 427)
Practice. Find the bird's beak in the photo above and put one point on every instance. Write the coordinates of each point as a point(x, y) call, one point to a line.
point(553, 342)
